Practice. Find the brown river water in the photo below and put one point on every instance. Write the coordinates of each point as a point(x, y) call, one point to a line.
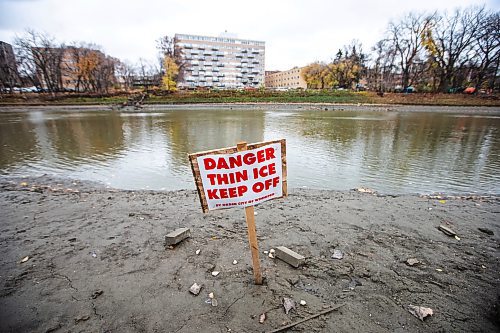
point(392, 152)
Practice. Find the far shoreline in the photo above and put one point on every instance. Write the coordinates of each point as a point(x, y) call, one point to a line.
point(272, 106)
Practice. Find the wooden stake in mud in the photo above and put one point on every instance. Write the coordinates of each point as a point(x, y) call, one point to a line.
point(252, 233)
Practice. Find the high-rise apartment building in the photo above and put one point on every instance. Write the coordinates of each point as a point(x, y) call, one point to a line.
point(221, 62)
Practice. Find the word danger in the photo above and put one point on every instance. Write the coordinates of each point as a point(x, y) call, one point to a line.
point(243, 178)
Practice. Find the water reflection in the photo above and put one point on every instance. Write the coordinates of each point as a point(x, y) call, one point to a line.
point(397, 152)
point(193, 131)
point(391, 152)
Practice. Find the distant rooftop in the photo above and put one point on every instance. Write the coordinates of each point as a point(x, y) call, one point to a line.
point(221, 39)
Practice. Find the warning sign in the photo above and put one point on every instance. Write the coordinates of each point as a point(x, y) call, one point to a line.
point(239, 177)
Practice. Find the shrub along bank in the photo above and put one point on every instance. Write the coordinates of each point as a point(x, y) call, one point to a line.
point(257, 96)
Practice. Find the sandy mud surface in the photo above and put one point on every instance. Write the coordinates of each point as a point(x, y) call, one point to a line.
point(78, 258)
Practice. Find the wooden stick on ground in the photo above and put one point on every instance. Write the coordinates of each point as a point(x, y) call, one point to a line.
point(307, 318)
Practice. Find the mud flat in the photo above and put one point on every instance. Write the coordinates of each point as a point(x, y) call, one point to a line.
point(476, 110)
point(96, 262)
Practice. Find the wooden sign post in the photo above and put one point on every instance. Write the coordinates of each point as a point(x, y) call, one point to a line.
point(252, 232)
point(241, 176)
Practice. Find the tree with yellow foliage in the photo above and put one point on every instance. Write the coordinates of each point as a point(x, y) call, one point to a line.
point(171, 73)
point(314, 75)
point(344, 71)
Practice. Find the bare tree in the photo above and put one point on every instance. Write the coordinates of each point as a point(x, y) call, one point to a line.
point(451, 42)
point(486, 55)
point(40, 58)
point(125, 73)
point(405, 38)
point(148, 74)
point(381, 74)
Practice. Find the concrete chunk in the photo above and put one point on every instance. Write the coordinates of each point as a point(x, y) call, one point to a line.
point(289, 256)
point(177, 236)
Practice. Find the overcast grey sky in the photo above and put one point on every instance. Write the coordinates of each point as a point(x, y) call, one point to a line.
point(296, 32)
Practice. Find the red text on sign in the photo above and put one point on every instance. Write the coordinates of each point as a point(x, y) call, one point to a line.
point(266, 184)
point(237, 161)
point(224, 193)
point(227, 178)
point(264, 171)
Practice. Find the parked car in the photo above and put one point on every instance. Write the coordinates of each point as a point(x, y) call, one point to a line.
point(456, 90)
point(470, 90)
point(29, 89)
point(360, 87)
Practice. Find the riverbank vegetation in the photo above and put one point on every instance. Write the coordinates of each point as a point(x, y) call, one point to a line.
point(257, 96)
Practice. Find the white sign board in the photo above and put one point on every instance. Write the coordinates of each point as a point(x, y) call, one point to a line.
point(241, 179)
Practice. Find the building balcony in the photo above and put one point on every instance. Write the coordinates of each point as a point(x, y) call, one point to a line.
point(220, 65)
point(220, 54)
point(215, 69)
point(194, 52)
point(220, 75)
point(255, 62)
point(244, 51)
point(244, 61)
point(239, 55)
point(251, 56)
point(255, 71)
point(215, 48)
point(201, 47)
point(255, 51)
point(188, 46)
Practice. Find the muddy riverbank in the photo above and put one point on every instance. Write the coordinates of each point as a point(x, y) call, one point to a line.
point(491, 110)
point(94, 260)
